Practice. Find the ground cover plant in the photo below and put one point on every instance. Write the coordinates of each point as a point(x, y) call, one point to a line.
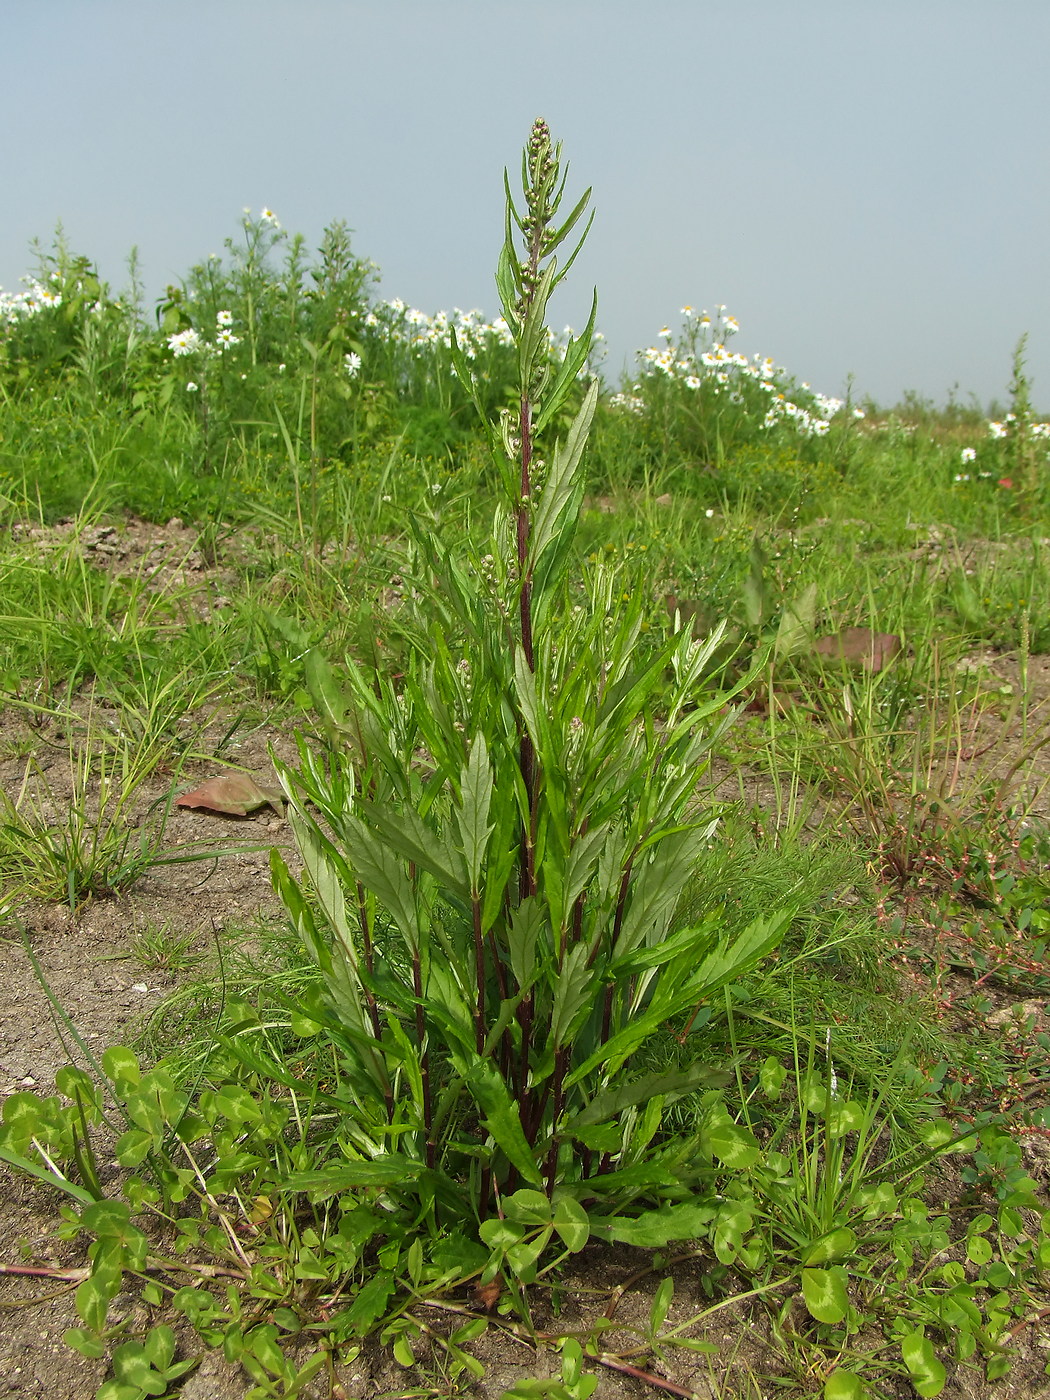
point(655, 801)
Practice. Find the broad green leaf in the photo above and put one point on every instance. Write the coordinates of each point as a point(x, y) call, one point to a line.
point(122, 1066)
point(89, 1344)
point(133, 1146)
point(369, 1305)
point(521, 1257)
point(526, 1207)
point(571, 1222)
point(730, 1142)
point(836, 1244)
point(661, 1305)
point(576, 353)
point(848, 1117)
point(735, 957)
point(824, 1291)
point(927, 1374)
point(796, 623)
point(844, 1385)
point(500, 1234)
point(978, 1250)
point(131, 1366)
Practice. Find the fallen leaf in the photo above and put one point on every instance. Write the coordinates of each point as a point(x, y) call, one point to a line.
point(234, 794)
point(487, 1295)
point(860, 646)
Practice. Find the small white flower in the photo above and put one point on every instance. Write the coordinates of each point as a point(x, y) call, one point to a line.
point(709, 512)
point(267, 216)
point(352, 363)
point(191, 388)
point(225, 338)
point(281, 369)
point(224, 318)
point(968, 454)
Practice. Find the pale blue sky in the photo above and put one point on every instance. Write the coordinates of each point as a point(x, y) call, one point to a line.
point(864, 185)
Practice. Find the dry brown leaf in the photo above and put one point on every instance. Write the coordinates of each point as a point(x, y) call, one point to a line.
point(233, 794)
point(860, 646)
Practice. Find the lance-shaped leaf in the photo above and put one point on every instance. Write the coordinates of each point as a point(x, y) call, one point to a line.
point(522, 938)
point(563, 479)
point(472, 813)
point(655, 1228)
point(412, 837)
point(502, 1118)
point(574, 995)
point(576, 353)
point(659, 879)
point(381, 871)
point(666, 1084)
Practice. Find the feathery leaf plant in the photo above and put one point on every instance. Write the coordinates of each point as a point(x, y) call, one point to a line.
point(496, 843)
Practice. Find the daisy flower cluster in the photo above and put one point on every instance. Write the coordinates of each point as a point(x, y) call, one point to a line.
point(19, 306)
point(700, 359)
point(395, 322)
point(997, 430)
point(191, 342)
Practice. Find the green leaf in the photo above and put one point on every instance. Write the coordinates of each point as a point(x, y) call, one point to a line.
point(133, 1146)
point(732, 1143)
point(661, 1305)
point(392, 1170)
point(836, 1244)
point(978, 1250)
point(502, 1116)
point(927, 1374)
point(844, 1385)
point(380, 871)
point(564, 481)
point(522, 1257)
point(473, 811)
point(654, 1228)
point(575, 993)
point(669, 1085)
point(796, 623)
point(122, 1066)
point(89, 1344)
point(824, 1291)
point(571, 1222)
point(406, 831)
point(237, 1105)
point(132, 1366)
point(525, 925)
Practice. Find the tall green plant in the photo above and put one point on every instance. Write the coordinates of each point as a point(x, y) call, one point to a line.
point(496, 843)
